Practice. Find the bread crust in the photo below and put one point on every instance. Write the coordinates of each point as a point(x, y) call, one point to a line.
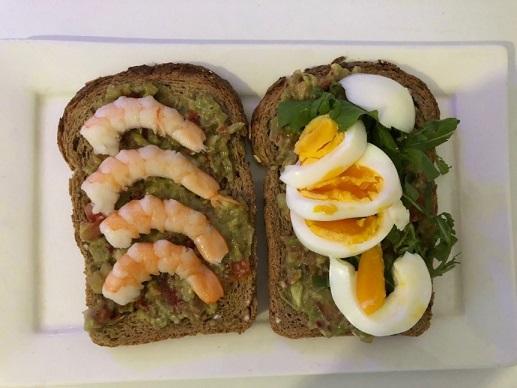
point(283, 318)
point(238, 308)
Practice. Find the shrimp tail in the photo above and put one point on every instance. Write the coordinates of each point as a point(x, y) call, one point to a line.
point(219, 199)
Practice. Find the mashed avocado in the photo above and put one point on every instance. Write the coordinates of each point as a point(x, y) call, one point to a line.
point(299, 87)
point(305, 285)
point(168, 299)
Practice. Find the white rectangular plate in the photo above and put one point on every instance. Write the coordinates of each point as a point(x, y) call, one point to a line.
point(41, 291)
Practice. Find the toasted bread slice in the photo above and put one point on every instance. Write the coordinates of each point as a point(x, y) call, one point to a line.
point(284, 319)
point(135, 323)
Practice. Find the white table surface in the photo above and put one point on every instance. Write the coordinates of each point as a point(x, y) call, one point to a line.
point(346, 20)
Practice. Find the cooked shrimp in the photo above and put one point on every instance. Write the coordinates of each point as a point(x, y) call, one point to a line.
point(140, 216)
point(104, 128)
point(124, 282)
point(128, 166)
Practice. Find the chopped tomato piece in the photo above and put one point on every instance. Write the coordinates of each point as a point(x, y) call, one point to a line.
point(90, 215)
point(240, 270)
point(193, 116)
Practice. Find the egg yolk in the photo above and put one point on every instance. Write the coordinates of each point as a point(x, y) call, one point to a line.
point(348, 230)
point(370, 285)
point(327, 209)
point(320, 137)
point(357, 183)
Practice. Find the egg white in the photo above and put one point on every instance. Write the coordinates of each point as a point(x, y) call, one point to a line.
point(373, 158)
point(376, 92)
point(399, 214)
point(342, 157)
point(402, 308)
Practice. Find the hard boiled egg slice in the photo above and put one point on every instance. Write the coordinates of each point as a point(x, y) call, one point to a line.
point(399, 214)
point(365, 188)
point(376, 92)
point(342, 238)
point(402, 308)
point(324, 152)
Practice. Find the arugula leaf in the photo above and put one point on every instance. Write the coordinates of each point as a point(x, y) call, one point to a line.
point(419, 161)
point(335, 113)
point(350, 113)
point(322, 105)
point(410, 191)
point(337, 90)
point(444, 240)
point(412, 202)
point(442, 166)
point(434, 236)
point(410, 242)
point(388, 258)
point(383, 139)
point(442, 237)
point(316, 93)
point(294, 114)
point(431, 135)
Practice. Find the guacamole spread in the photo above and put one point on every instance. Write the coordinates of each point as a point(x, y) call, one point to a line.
point(167, 299)
point(304, 285)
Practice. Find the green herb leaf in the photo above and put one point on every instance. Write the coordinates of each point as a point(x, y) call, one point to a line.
point(432, 237)
point(405, 241)
point(444, 240)
point(432, 134)
point(383, 138)
point(321, 106)
point(442, 166)
point(297, 114)
point(338, 90)
point(316, 93)
point(336, 112)
point(410, 191)
point(433, 241)
point(342, 116)
point(420, 162)
point(350, 113)
point(411, 202)
point(294, 114)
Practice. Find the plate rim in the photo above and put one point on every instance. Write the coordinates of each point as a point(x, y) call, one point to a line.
point(281, 342)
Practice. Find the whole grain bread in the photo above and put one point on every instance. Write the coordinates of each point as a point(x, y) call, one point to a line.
point(237, 309)
point(285, 320)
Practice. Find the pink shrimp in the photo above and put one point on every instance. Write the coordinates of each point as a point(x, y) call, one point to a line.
point(124, 282)
point(128, 166)
point(140, 216)
point(110, 121)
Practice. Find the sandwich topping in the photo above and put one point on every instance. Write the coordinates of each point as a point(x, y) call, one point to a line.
point(116, 173)
point(357, 263)
point(140, 216)
point(124, 283)
point(104, 128)
point(166, 237)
